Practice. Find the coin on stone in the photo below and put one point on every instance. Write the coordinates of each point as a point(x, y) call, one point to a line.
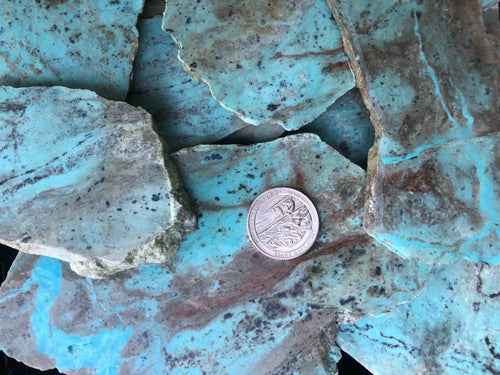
point(282, 223)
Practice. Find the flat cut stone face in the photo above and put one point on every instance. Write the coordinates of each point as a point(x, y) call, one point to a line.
point(274, 61)
point(429, 76)
point(218, 305)
point(184, 112)
point(84, 179)
point(86, 44)
point(451, 327)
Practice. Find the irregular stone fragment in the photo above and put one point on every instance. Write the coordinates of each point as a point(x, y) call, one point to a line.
point(346, 127)
point(489, 3)
point(451, 327)
point(254, 134)
point(429, 76)
point(217, 306)
point(274, 61)
point(184, 112)
point(492, 21)
point(80, 44)
point(84, 179)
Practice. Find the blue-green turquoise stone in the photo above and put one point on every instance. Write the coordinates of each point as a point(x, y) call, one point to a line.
point(429, 75)
point(84, 44)
point(346, 127)
point(452, 327)
point(184, 112)
point(85, 180)
point(278, 62)
point(218, 306)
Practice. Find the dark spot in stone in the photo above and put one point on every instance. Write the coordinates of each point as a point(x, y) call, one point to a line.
point(315, 269)
point(228, 315)
point(193, 65)
point(475, 306)
point(273, 309)
point(217, 199)
point(156, 197)
point(107, 204)
point(345, 301)
point(214, 156)
point(272, 107)
point(249, 175)
point(377, 271)
point(26, 239)
point(375, 291)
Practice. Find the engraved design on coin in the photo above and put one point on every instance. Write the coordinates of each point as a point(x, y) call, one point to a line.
point(282, 223)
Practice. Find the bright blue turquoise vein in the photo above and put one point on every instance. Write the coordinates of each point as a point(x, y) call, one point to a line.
point(431, 71)
point(437, 89)
point(71, 352)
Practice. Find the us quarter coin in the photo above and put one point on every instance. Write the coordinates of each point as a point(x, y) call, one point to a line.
point(282, 223)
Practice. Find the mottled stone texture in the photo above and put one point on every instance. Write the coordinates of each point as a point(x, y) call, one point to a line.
point(346, 127)
point(429, 75)
point(452, 327)
point(84, 179)
point(275, 61)
point(184, 112)
point(87, 44)
point(217, 306)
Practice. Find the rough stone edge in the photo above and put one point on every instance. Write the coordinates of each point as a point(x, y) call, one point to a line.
point(375, 168)
point(245, 119)
point(167, 241)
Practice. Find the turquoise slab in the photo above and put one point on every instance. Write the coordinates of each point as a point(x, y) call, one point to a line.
point(277, 61)
point(85, 180)
point(184, 112)
point(86, 44)
point(429, 75)
point(452, 327)
point(218, 306)
point(346, 127)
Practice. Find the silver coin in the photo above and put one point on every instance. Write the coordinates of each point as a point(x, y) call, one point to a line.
point(282, 223)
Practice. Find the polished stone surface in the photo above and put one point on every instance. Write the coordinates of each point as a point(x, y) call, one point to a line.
point(276, 61)
point(85, 180)
point(184, 111)
point(452, 327)
point(86, 44)
point(429, 75)
point(218, 306)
